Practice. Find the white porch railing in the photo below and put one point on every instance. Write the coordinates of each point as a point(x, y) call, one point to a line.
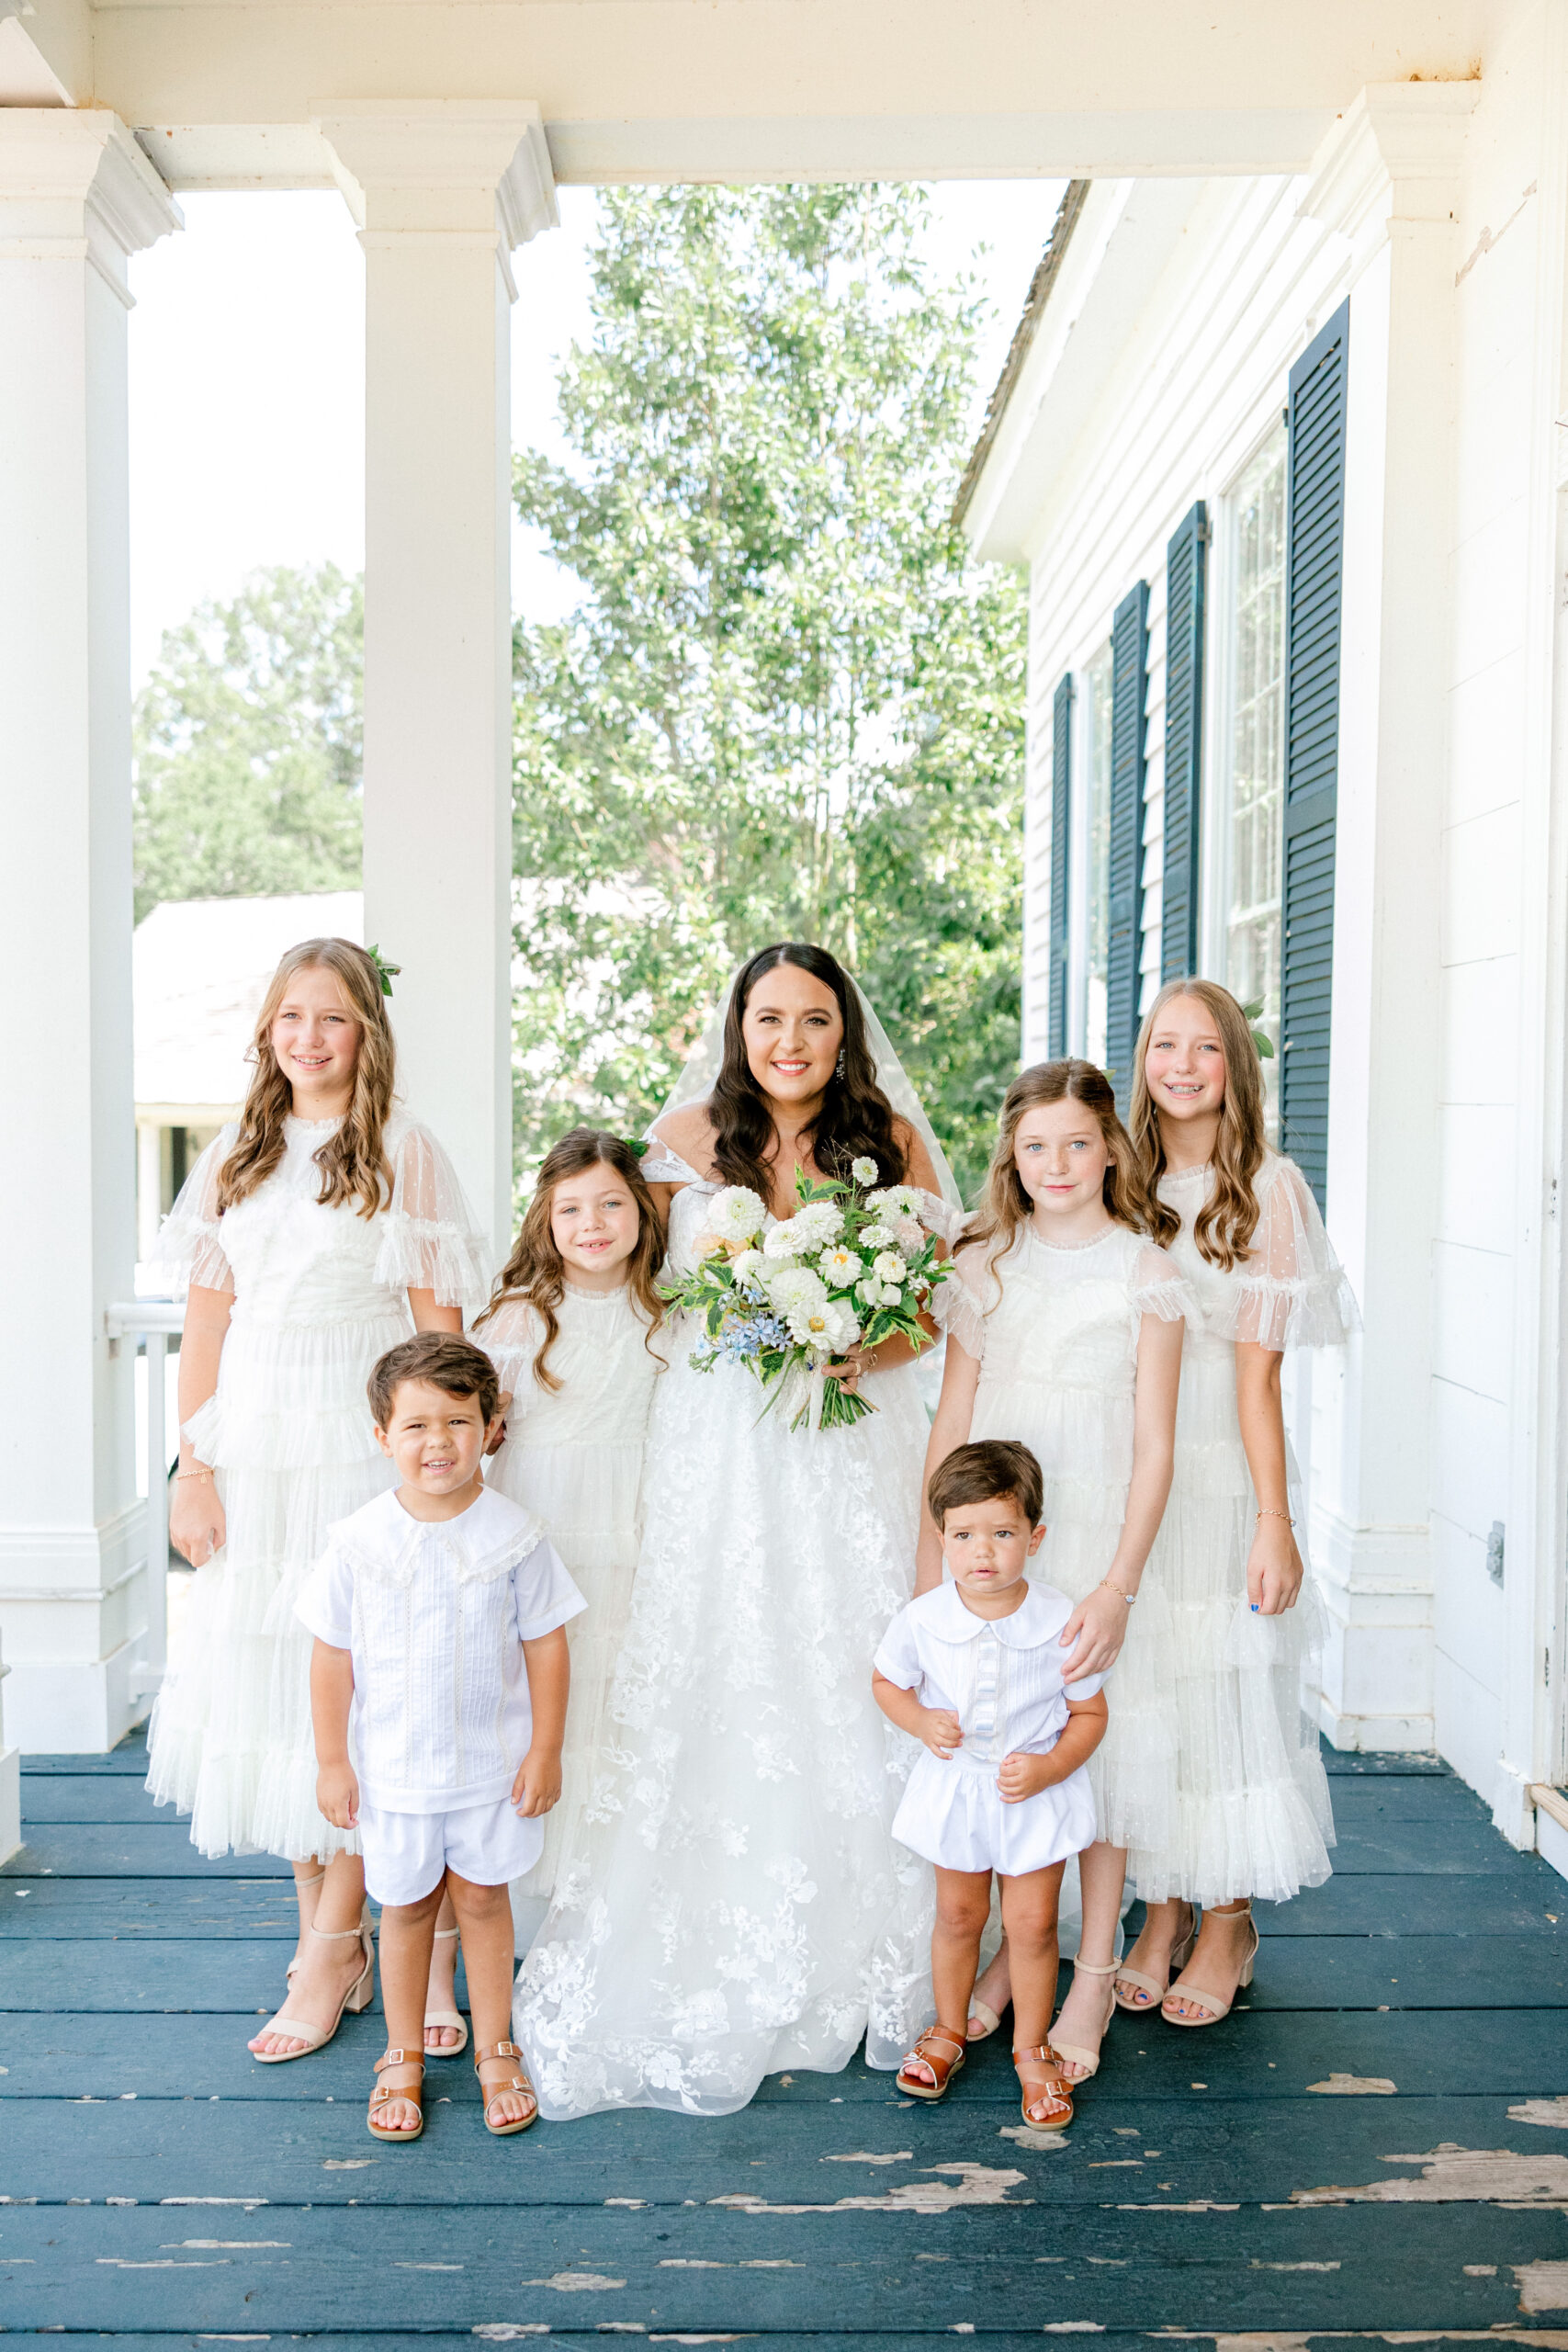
point(152, 1321)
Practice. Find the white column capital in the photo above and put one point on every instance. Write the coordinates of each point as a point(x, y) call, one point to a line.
point(445, 167)
point(74, 180)
point(1394, 156)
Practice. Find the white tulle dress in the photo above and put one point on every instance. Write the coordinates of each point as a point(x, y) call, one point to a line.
point(1054, 1329)
point(735, 1902)
point(574, 1458)
point(1250, 1814)
point(318, 1294)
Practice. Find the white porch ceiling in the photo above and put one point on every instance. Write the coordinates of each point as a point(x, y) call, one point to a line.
point(222, 91)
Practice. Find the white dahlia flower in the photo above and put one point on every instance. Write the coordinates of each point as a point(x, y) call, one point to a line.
point(814, 1226)
point(864, 1171)
point(796, 1289)
point(888, 1267)
point(737, 1214)
point(840, 1266)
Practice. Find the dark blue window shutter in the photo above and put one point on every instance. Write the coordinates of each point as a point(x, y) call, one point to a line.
point(1129, 670)
point(1061, 793)
point(1185, 564)
point(1314, 570)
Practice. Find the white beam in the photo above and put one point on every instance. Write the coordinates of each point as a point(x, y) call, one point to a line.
point(441, 193)
point(77, 197)
point(772, 89)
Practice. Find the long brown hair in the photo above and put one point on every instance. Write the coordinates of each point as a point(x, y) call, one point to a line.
point(1005, 1205)
point(535, 1271)
point(353, 1160)
point(856, 1121)
point(1224, 1225)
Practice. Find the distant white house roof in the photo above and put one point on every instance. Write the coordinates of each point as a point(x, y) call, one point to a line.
point(199, 970)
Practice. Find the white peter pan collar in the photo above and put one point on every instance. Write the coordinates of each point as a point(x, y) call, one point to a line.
point(492, 1535)
point(1038, 1621)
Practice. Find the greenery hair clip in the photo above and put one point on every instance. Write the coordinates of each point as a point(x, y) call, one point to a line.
point(636, 1146)
point(386, 973)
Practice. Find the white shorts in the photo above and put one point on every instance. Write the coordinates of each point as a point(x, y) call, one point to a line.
point(952, 1815)
point(406, 1853)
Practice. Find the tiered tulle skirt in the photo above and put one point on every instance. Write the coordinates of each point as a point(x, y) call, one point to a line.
point(289, 1437)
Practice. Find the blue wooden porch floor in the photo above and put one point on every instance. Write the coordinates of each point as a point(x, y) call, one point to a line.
point(161, 2190)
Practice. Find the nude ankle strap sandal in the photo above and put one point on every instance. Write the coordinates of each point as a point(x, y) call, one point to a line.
point(1181, 1953)
point(359, 1995)
point(1088, 2060)
point(1213, 2009)
point(446, 2016)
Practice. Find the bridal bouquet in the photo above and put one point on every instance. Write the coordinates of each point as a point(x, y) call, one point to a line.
point(851, 1265)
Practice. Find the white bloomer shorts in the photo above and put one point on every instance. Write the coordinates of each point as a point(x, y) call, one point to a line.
point(406, 1853)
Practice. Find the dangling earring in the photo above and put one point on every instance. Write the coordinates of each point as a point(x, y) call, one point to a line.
point(841, 1061)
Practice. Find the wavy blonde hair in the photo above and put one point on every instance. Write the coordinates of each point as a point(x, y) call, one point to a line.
point(1005, 1205)
point(1224, 1225)
point(353, 1160)
point(535, 1271)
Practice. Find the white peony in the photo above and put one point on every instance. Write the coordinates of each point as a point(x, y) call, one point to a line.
point(864, 1171)
point(796, 1289)
point(737, 1214)
point(909, 1235)
point(828, 1329)
point(888, 1267)
point(814, 1226)
point(840, 1266)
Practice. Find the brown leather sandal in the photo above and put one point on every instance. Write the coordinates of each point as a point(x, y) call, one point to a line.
point(1051, 2094)
point(924, 2054)
point(384, 2094)
point(492, 2091)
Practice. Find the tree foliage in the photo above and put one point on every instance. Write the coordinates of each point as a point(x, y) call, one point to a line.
point(248, 744)
point(788, 703)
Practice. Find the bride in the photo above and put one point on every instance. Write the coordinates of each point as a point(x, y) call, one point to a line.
point(733, 1902)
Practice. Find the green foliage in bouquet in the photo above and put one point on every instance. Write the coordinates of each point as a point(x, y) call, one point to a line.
point(851, 1268)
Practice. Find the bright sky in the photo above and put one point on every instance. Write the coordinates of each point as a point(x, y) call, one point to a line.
point(247, 379)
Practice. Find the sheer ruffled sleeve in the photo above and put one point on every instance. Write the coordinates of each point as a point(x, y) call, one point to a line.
point(190, 1246)
point(429, 1239)
point(511, 1339)
point(1292, 1291)
point(960, 1304)
point(662, 1164)
point(1158, 1286)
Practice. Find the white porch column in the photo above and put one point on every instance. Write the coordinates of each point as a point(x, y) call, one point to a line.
point(77, 197)
point(1385, 177)
point(441, 192)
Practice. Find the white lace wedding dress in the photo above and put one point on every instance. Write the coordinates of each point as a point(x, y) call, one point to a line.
point(733, 1902)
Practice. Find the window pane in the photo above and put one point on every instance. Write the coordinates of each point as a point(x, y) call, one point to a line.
point(1097, 687)
point(1257, 747)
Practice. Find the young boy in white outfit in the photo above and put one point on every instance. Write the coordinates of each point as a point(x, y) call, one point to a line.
point(976, 1671)
point(438, 1695)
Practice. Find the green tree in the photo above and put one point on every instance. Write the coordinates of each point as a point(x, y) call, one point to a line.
point(248, 744)
point(788, 703)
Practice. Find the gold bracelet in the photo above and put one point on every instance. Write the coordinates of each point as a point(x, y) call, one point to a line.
point(1268, 1511)
point(191, 1473)
point(1128, 1596)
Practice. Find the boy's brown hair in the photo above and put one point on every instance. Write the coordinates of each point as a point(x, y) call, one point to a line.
point(448, 1362)
point(987, 1473)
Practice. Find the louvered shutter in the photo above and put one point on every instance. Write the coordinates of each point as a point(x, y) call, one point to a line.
point(1314, 570)
point(1129, 669)
point(1185, 564)
point(1061, 788)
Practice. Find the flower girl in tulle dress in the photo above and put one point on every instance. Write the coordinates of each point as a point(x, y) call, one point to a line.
point(1250, 1803)
point(315, 1232)
point(1064, 1333)
point(571, 1332)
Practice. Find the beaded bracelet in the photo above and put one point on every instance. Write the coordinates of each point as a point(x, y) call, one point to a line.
point(191, 1473)
point(1106, 1585)
point(1268, 1511)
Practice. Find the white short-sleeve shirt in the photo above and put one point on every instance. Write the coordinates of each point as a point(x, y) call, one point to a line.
point(1002, 1677)
point(434, 1613)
